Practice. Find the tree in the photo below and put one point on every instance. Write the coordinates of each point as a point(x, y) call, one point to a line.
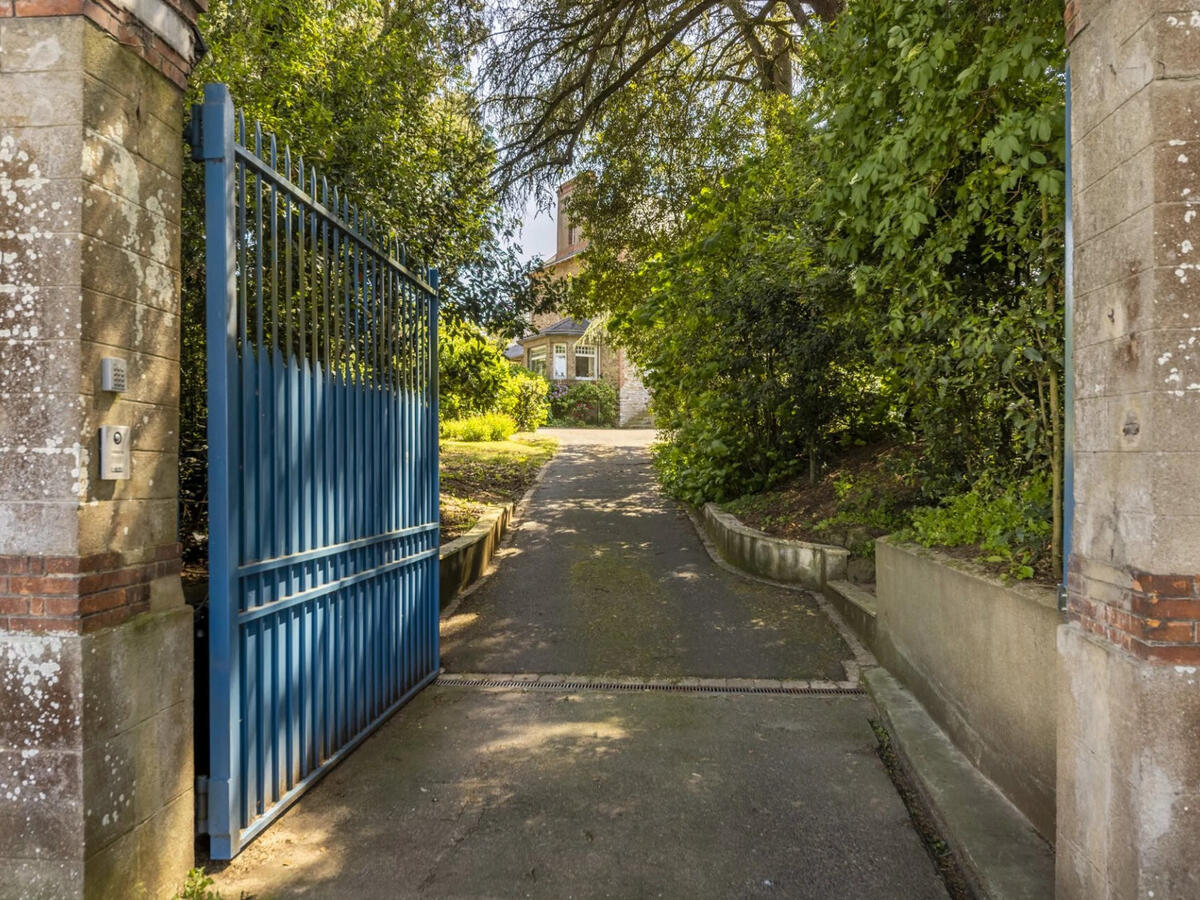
point(754, 374)
point(940, 127)
point(554, 69)
point(378, 95)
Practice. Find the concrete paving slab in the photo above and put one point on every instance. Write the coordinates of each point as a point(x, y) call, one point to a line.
point(605, 575)
point(521, 793)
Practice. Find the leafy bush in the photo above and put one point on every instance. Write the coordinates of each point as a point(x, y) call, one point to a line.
point(585, 403)
point(486, 427)
point(472, 371)
point(525, 398)
point(1010, 524)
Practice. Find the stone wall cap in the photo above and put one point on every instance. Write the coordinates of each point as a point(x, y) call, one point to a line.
point(733, 523)
point(1041, 594)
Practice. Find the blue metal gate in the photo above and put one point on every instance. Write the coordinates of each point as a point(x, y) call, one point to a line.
point(323, 484)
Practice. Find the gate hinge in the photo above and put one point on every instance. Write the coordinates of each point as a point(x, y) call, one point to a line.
point(201, 804)
point(193, 133)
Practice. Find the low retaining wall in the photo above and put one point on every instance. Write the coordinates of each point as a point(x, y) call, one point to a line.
point(980, 656)
point(793, 562)
point(462, 561)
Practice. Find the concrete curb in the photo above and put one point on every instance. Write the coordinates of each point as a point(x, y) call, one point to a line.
point(856, 605)
point(790, 562)
point(462, 561)
point(1000, 852)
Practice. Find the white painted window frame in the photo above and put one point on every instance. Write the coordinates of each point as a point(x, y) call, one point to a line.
point(536, 355)
point(592, 352)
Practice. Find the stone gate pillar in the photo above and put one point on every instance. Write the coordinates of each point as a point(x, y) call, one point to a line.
point(96, 781)
point(1129, 705)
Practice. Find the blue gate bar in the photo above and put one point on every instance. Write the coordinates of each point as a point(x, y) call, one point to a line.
point(323, 505)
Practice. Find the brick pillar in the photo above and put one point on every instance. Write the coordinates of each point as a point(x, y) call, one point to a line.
point(1129, 705)
point(96, 782)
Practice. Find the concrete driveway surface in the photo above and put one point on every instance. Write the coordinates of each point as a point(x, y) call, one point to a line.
point(554, 792)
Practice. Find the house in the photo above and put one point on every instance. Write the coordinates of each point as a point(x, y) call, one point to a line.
point(560, 347)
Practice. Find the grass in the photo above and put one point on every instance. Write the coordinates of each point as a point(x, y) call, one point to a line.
point(479, 474)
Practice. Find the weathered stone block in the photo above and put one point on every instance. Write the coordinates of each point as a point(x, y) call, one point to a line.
point(1128, 765)
point(130, 225)
point(1177, 42)
point(1108, 144)
point(110, 270)
point(126, 524)
point(120, 170)
point(1113, 198)
point(1105, 531)
point(1113, 256)
point(43, 473)
point(166, 849)
point(1174, 111)
point(41, 879)
point(40, 99)
point(40, 804)
point(113, 322)
point(40, 687)
point(54, 150)
point(29, 527)
point(1115, 311)
point(38, 45)
point(1106, 71)
point(111, 786)
point(163, 747)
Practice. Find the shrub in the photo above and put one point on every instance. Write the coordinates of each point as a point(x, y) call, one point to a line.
point(472, 371)
point(487, 427)
point(1010, 524)
point(525, 398)
point(585, 403)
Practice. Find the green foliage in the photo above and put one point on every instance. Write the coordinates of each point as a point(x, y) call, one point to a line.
point(525, 399)
point(1009, 523)
point(585, 403)
point(473, 374)
point(753, 375)
point(885, 252)
point(940, 135)
point(486, 427)
point(474, 378)
point(197, 887)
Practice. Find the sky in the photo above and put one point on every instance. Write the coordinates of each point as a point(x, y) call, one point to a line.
point(537, 231)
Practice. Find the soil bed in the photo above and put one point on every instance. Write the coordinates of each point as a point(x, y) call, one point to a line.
point(866, 494)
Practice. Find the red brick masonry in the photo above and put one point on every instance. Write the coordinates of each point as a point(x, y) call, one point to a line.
point(122, 25)
point(78, 595)
point(1071, 19)
point(1154, 617)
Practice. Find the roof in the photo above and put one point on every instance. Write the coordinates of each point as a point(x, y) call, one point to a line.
point(562, 326)
point(514, 350)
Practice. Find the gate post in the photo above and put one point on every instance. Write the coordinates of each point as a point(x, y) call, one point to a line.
point(1129, 698)
point(96, 783)
point(216, 150)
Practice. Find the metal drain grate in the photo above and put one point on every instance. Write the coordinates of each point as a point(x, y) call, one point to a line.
point(567, 684)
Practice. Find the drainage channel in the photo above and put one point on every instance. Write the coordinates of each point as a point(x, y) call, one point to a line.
point(691, 686)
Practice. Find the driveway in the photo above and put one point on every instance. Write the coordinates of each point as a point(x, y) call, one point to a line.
point(631, 790)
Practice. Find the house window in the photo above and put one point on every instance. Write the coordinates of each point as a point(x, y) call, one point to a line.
point(572, 234)
point(537, 361)
point(560, 361)
point(586, 360)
